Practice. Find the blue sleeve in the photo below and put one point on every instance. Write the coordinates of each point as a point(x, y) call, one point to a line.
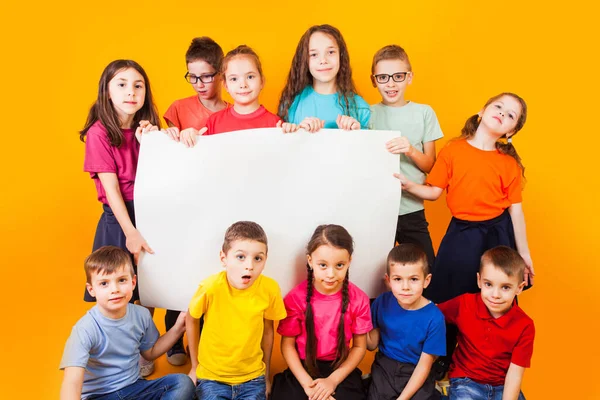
point(435, 342)
point(151, 334)
point(363, 112)
point(292, 118)
point(78, 347)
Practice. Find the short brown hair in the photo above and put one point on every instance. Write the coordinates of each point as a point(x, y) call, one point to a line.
point(242, 51)
point(106, 260)
point(244, 230)
point(505, 259)
point(408, 253)
point(205, 49)
point(390, 52)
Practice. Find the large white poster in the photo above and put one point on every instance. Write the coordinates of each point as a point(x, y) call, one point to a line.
point(289, 184)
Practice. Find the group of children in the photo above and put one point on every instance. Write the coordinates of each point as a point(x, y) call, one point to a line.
point(466, 294)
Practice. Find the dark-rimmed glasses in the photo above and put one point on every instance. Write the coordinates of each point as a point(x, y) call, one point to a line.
point(202, 78)
point(385, 78)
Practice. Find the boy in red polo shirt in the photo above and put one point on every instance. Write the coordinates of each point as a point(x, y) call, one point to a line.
point(495, 338)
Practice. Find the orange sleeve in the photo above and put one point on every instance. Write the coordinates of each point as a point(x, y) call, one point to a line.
point(514, 186)
point(171, 116)
point(442, 170)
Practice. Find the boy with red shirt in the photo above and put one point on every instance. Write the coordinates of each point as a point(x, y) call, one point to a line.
point(495, 339)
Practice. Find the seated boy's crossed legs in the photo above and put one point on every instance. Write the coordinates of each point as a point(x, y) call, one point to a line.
point(254, 389)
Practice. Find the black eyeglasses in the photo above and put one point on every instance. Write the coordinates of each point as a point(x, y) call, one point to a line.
point(202, 78)
point(397, 77)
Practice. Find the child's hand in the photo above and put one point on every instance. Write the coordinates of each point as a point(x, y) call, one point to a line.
point(136, 243)
point(180, 323)
point(323, 388)
point(399, 145)
point(189, 136)
point(406, 184)
point(529, 273)
point(268, 385)
point(347, 123)
point(287, 127)
point(192, 375)
point(312, 124)
point(145, 127)
point(172, 132)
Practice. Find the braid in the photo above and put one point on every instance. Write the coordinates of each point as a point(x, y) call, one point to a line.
point(342, 350)
point(311, 338)
point(509, 150)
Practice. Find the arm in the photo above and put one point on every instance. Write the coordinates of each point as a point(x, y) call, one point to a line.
point(166, 341)
point(418, 377)
point(135, 242)
point(512, 382)
point(373, 339)
point(72, 383)
point(423, 160)
point(267, 347)
point(425, 192)
point(192, 329)
point(518, 221)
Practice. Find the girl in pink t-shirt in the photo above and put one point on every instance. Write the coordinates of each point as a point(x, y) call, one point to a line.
point(124, 103)
point(324, 313)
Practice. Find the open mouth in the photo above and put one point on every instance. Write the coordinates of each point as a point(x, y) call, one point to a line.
point(246, 278)
point(392, 93)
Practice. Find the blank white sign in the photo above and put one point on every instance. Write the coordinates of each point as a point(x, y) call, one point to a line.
point(185, 198)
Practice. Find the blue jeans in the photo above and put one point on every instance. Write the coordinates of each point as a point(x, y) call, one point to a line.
point(169, 387)
point(466, 389)
point(254, 389)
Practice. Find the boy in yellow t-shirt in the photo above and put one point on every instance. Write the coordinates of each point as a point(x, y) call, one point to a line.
point(239, 306)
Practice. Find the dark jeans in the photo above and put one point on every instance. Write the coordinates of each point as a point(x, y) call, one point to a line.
point(413, 228)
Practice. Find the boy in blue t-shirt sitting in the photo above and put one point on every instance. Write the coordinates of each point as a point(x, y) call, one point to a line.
point(408, 329)
point(102, 355)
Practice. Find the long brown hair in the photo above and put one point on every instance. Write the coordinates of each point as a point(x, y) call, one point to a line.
point(104, 111)
point(338, 237)
point(471, 125)
point(299, 76)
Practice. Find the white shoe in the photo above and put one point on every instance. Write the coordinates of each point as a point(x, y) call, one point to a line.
point(146, 367)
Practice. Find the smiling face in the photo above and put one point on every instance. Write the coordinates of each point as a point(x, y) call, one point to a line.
point(112, 291)
point(127, 91)
point(244, 262)
point(501, 116)
point(244, 83)
point(323, 58)
point(330, 266)
point(498, 290)
point(407, 281)
point(392, 92)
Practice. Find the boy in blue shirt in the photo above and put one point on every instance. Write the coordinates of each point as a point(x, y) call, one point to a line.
point(102, 355)
point(408, 329)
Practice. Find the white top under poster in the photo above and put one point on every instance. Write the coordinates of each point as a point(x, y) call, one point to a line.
point(185, 199)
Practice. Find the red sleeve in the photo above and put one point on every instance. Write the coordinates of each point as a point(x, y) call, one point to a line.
point(450, 309)
point(523, 351)
point(171, 116)
point(210, 124)
point(98, 152)
point(291, 325)
point(442, 170)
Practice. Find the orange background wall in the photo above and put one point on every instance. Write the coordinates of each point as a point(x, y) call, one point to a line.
point(462, 53)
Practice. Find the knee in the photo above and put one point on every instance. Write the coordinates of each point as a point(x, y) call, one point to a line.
point(183, 385)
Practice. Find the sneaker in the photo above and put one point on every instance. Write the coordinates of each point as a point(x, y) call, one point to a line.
point(146, 367)
point(176, 355)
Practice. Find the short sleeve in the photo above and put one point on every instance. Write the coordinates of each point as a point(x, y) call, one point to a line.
point(210, 124)
point(151, 334)
point(514, 188)
point(361, 318)
point(172, 116)
point(199, 303)
point(435, 342)
point(291, 116)
point(441, 171)
point(523, 351)
point(450, 309)
point(77, 349)
point(374, 310)
point(276, 310)
point(291, 326)
point(433, 131)
point(98, 152)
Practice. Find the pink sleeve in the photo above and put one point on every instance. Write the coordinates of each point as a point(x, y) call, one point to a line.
point(98, 152)
point(450, 309)
point(361, 321)
point(523, 351)
point(439, 176)
point(291, 325)
point(171, 116)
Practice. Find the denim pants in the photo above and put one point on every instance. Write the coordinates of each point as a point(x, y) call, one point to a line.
point(254, 389)
point(466, 389)
point(169, 387)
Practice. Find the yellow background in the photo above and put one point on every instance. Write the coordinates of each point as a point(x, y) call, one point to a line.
point(462, 52)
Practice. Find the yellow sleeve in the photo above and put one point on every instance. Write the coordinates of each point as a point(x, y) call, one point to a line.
point(276, 310)
point(199, 303)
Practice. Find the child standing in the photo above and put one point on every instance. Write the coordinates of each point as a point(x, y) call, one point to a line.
point(391, 74)
point(319, 92)
point(203, 59)
point(325, 313)
point(408, 329)
point(495, 336)
point(102, 355)
point(231, 360)
point(244, 80)
point(111, 155)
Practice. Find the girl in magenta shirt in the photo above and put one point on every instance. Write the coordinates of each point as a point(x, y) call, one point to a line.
point(324, 313)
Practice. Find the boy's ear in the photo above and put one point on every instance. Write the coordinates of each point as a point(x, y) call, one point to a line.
point(90, 289)
point(134, 281)
point(520, 288)
point(479, 280)
point(427, 281)
point(223, 257)
point(373, 81)
point(410, 77)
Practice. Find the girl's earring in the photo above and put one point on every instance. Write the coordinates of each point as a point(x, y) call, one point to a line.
point(509, 140)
